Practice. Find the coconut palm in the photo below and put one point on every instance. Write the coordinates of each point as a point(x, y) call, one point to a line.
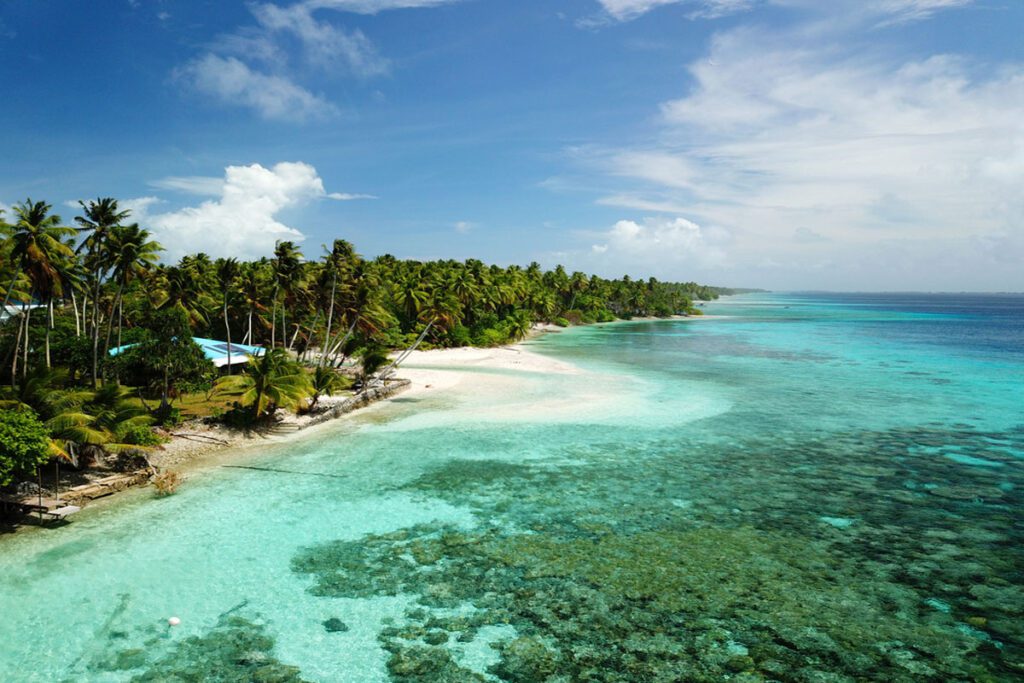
point(131, 253)
point(286, 267)
point(37, 250)
point(227, 273)
point(97, 220)
point(270, 381)
point(324, 382)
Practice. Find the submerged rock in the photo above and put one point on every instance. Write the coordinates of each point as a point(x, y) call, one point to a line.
point(335, 625)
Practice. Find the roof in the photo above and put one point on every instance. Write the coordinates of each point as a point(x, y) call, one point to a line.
point(216, 351)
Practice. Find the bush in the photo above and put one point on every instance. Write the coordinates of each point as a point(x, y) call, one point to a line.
point(24, 443)
point(490, 337)
point(141, 435)
point(460, 336)
point(561, 322)
point(168, 416)
point(605, 316)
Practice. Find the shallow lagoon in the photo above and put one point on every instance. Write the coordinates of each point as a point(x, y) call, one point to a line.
point(816, 488)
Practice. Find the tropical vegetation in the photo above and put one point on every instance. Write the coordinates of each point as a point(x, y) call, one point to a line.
point(74, 292)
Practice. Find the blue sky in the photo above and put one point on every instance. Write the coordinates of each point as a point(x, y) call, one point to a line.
point(787, 144)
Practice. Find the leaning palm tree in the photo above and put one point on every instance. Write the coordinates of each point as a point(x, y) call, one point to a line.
point(270, 381)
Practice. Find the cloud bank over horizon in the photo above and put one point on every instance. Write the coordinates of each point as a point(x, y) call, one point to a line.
point(824, 163)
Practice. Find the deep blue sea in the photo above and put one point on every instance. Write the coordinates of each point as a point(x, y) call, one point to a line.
point(800, 487)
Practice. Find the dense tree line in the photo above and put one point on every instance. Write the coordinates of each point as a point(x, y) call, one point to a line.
point(73, 291)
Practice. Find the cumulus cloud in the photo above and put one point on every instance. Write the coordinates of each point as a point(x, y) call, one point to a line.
point(242, 221)
point(663, 245)
point(232, 82)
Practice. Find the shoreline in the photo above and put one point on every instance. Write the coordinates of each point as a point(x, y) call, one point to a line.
point(197, 447)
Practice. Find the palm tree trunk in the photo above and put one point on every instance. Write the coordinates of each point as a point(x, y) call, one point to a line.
point(49, 326)
point(298, 328)
point(78, 322)
point(24, 360)
point(332, 352)
point(248, 334)
point(10, 290)
point(96, 333)
point(273, 319)
point(309, 339)
point(17, 348)
point(382, 375)
point(110, 323)
point(227, 330)
point(330, 318)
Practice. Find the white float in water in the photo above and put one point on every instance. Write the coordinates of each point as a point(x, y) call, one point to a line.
point(173, 621)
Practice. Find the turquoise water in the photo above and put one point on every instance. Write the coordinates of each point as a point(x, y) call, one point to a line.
point(812, 488)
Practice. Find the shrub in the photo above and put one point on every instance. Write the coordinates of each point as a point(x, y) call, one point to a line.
point(141, 435)
point(490, 337)
point(24, 443)
point(561, 322)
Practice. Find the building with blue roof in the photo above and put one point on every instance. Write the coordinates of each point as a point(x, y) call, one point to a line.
point(216, 351)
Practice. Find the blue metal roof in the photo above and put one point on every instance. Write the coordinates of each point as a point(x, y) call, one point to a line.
point(215, 350)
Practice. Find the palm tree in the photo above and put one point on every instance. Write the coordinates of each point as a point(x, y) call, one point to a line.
point(131, 254)
point(98, 219)
point(270, 381)
point(37, 249)
point(227, 273)
point(286, 262)
point(252, 288)
point(337, 262)
point(325, 382)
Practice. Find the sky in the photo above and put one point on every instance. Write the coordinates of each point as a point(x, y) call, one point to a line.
point(783, 144)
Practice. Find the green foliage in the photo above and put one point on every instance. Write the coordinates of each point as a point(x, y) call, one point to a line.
point(166, 361)
point(140, 435)
point(561, 322)
point(24, 443)
point(270, 381)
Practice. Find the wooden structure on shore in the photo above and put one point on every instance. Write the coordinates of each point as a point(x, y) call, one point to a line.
point(44, 509)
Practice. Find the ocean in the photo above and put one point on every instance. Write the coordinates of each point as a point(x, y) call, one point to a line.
point(801, 487)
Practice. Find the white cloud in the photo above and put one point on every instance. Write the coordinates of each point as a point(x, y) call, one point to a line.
point(899, 11)
point(200, 185)
point(374, 6)
point(885, 11)
point(783, 131)
point(242, 221)
point(626, 10)
point(662, 245)
point(273, 97)
point(463, 227)
point(349, 196)
point(323, 44)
